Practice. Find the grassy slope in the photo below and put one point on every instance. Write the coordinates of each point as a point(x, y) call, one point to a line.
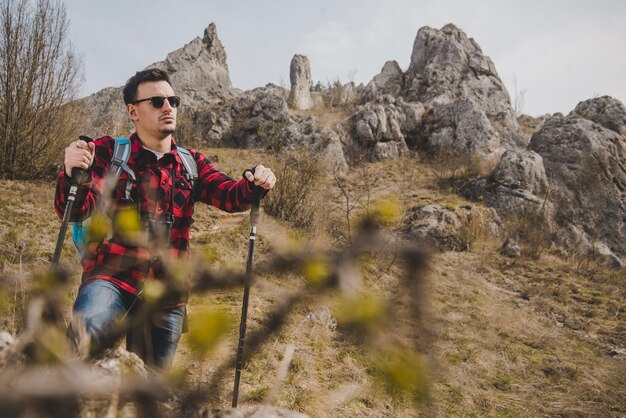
point(525, 338)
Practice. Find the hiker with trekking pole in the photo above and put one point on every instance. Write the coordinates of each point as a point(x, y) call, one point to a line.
point(158, 181)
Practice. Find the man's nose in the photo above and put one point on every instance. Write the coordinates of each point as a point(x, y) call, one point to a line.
point(167, 105)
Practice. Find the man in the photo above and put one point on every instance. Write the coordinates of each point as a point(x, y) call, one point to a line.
point(115, 270)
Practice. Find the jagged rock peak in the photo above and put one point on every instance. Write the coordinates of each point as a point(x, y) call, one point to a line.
point(199, 71)
point(440, 60)
point(214, 45)
point(471, 108)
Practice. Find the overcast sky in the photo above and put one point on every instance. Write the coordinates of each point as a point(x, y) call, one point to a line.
point(560, 52)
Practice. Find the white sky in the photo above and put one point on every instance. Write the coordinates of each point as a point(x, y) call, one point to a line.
point(560, 52)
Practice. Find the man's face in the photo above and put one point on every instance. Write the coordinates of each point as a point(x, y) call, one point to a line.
point(149, 120)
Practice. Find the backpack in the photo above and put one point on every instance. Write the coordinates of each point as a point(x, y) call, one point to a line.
point(119, 163)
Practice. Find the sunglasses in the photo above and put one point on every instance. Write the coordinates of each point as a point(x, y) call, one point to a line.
point(158, 101)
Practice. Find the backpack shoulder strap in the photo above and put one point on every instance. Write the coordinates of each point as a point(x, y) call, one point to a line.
point(119, 160)
point(191, 166)
point(119, 163)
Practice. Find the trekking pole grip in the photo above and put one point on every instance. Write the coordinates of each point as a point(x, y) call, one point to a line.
point(78, 173)
point(77, 177)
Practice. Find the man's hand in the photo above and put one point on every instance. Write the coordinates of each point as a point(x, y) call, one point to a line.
point(79, 154)
point(262, 177)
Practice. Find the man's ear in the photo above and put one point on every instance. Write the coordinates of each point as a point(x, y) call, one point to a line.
point(132, 112)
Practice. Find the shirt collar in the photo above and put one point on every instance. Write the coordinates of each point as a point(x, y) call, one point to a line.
point(137, 148)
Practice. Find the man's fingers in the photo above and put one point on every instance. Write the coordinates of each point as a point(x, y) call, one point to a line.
point(79, 154)
point(262, 177)
point(266, 179)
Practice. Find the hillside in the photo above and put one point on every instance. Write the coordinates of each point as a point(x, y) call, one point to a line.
point(539, 335)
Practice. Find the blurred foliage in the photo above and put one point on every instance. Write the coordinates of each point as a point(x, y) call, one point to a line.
point(207, 328)
point(405, 372)
point(365, 314)
point(316, 272)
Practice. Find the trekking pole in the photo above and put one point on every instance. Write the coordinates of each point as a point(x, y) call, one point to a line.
point(77, 174)
point(254, 216)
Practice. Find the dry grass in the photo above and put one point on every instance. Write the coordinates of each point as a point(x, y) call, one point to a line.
point(503, 338)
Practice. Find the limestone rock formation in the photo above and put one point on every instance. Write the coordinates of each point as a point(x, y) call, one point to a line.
point(199, 71)
point(300, 76)
point(382, 127)
point(261, 118)
point(586, 165)
point(574, 175)
point(199, 75)
point(511, 249)
point(468, 106)
point(390, 81)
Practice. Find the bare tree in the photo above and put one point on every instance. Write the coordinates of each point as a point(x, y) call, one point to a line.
point(40, 75)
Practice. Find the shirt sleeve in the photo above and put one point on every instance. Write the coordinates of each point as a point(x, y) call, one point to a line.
point(216, 188)
point(88, 193)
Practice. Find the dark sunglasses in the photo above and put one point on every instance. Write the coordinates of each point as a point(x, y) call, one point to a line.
point(158, 101)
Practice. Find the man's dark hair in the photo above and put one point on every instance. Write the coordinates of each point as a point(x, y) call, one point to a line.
point(130, 89)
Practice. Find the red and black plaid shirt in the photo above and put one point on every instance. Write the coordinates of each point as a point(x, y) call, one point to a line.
point(128, 266)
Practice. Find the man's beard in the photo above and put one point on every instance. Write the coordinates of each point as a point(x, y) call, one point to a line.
point(168, 129)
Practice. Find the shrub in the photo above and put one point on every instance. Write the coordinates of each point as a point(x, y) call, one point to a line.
point(293, 197)
point(452, 170)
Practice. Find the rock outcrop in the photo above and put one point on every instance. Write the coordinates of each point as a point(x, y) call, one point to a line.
point(199, 71)
point(300, 77)
point(586, 165)
point(261, 118)
point(469, 109)
point(574, 173)
point(199, 75)
point(390, 81)
point(382, 127)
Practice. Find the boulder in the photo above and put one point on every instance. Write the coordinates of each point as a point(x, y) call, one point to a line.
point(300, 76)
point(511, 249)
point(572, 180)
point(605, 111)
point(348, 94)
point(450, 228)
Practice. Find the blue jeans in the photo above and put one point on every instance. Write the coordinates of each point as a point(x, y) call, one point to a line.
point(101, 304)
